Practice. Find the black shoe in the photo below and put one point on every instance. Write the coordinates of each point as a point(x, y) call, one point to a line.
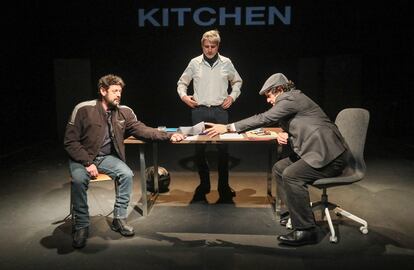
point(120, 225)
point(222, 200)
point(200, 194)
point(202, 189)
point(79, 237)
point(226, 195)
point(299, 237)
point(199, 198)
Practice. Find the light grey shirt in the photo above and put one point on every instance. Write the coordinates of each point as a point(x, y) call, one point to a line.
point(210, 83)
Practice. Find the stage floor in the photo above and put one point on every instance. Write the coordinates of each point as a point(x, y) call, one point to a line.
point(180, 235)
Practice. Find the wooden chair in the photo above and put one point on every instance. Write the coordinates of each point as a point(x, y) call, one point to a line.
point(100, 178)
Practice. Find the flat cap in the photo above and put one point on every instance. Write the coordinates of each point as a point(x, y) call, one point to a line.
point(273, 81)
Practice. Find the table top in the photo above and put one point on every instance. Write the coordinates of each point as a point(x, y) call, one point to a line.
point(206, 139)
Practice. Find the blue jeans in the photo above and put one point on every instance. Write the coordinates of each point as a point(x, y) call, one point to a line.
point(110, 165)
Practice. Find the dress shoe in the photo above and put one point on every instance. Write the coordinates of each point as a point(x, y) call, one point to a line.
point(199, 198)
point(200, 194)
point(202, 189)
point(299, 237)
point(120, 225)
point(226, 195)
point(79, 237)
point(225, 200)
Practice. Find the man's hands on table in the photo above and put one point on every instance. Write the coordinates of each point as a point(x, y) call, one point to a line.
point(215, 129)
point(177, 137)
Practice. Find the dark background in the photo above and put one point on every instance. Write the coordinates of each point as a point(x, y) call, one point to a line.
point(340, 53)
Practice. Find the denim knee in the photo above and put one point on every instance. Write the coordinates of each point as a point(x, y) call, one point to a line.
point(80, 177)
point(126, 174)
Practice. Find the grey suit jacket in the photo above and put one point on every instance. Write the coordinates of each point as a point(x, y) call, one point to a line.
point(313, 136)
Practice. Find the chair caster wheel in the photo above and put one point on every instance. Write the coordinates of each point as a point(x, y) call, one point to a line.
point(289, 225)
point(364, 230)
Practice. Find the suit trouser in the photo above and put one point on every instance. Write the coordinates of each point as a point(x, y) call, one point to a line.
point(293, 175)
point(110, 165)
point(214, 114)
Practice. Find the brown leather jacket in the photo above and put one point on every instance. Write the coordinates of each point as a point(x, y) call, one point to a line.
point(86, 128)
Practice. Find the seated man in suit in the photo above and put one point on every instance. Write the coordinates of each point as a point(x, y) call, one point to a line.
point(318, 150)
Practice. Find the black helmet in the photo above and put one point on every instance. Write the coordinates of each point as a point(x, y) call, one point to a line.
point(163, 179)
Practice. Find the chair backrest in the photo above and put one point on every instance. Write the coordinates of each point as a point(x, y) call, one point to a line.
point(353, 125)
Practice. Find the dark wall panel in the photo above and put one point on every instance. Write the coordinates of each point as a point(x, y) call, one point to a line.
point(72, 85)
point(342, 53)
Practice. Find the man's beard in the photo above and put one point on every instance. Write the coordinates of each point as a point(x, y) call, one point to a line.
point(113, 103)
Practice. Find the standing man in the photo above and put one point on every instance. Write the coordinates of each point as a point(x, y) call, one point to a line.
point(211, 74)
point(319, 150)
point(94, 140)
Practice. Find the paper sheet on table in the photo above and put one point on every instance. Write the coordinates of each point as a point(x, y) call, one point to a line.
point(230, 136)
point(191, 138)
point(194, 130)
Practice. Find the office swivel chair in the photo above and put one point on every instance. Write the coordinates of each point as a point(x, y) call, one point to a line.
point(353, 125)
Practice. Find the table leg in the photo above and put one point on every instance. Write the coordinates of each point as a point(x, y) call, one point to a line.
point(153, 197)
point(142, 168)
point(273, 197)
point(278, 202)
point(148, 201)
point(155, 161)
point(269, 171)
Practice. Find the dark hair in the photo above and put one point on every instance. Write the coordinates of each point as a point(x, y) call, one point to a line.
point(110, 79)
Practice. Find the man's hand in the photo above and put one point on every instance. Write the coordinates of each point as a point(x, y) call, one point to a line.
point(282, 138)
point(215, 129)
point(227, 102)
point(92, 170)
point(189, 100)
point(176, 137)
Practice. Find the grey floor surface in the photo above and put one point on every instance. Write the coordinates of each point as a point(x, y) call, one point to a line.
point(178, 235)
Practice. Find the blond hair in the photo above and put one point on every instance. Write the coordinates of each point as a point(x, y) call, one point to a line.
point(213, 36)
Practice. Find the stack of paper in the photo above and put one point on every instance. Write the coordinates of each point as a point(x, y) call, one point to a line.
point(191, 138)
point(194, 130)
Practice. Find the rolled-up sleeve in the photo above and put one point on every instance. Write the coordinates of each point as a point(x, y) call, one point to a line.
point(235, 82)
point(185, 80)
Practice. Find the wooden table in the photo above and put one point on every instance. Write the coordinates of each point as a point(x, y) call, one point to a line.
point(148, 199)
